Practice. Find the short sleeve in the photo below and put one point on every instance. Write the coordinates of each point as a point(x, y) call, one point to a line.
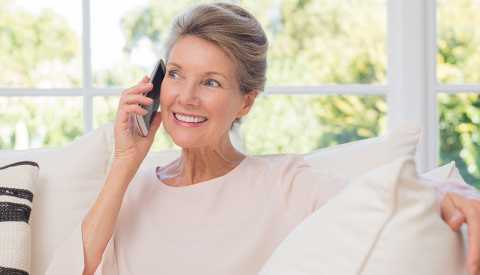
point(68, 257)
point(327, 185)
point(318, 186)
point(305, 188)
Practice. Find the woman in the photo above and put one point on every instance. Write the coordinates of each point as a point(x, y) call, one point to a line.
point(214, 210)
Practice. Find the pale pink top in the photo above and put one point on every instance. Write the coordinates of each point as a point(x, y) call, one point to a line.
point(227, 225)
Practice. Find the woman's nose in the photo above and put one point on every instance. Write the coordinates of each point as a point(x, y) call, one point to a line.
point(189, 95)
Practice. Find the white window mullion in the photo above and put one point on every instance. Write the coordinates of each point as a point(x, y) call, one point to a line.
point(410, 90)
point(433, 133)
point(458, 88)
point(321, 90)
point(344, 89)
point(87, 67)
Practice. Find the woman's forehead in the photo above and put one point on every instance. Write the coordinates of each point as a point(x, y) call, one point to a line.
point(193, 53)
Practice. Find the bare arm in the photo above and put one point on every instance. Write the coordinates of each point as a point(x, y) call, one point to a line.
point(130, 150)
point(99, 223)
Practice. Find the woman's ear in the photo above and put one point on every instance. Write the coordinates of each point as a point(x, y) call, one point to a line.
point(248, 100)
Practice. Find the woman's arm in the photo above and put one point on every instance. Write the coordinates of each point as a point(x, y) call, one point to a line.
point(96, 229)
point(99, 223)
point(130, 150)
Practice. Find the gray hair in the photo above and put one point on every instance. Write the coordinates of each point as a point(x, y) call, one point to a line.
point(233, 29)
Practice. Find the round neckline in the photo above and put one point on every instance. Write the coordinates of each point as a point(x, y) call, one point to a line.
point(198, 185)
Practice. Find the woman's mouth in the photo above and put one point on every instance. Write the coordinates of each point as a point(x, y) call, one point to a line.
point(189, 120)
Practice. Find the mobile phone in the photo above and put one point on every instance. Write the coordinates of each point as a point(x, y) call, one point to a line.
point(143, 122)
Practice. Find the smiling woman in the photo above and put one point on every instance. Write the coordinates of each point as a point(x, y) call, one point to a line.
point(171, 215)
point(192, 91)
point(200, 102)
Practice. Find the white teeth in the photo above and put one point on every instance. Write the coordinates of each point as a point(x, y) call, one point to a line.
point(185, 118)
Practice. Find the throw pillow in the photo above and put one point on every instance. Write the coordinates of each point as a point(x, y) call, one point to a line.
point(16, 197)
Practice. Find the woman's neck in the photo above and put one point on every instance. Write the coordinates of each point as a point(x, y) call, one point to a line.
point(205, 163)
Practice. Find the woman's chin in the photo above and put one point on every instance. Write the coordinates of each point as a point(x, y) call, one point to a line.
point(187, 141)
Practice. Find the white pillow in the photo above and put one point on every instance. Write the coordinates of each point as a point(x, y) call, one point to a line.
point(447, 171)
point(443, 172)
point(16, 196)
point(68, 183)
point(355, 158)
point(385, 222)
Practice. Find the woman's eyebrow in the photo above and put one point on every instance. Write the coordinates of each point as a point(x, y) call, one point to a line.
point(207, 73)
point(174, 64)
point(216, 73)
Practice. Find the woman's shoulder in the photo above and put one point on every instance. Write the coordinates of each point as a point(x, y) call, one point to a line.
point(277, 158)
point(140, 183)
point(294, 168)
point(283, 165)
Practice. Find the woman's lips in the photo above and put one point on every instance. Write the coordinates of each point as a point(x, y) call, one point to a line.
point(187, 124)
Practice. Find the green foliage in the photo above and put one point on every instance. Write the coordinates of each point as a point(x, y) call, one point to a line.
point(458, 56)
point(459, 62)
point(459, 133)
point(28, 42)
point(39, 122)
point(300, 124)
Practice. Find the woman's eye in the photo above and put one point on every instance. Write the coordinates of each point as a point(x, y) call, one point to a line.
point(212, 83)
point(173, 74)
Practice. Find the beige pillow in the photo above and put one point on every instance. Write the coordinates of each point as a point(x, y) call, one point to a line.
point(384, 222)
point(68, 182)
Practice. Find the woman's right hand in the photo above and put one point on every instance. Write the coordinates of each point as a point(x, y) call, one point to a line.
point(129, 145)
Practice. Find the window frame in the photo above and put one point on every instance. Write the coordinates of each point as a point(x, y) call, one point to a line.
point(410, 90)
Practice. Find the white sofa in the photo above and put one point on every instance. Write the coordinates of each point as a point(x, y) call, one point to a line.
point(70, 178)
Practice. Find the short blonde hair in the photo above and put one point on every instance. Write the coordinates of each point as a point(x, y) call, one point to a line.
point(233, 29)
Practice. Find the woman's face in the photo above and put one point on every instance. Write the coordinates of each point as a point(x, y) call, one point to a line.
point(200, 95)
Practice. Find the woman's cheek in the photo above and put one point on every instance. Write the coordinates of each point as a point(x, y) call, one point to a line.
point(166, 94)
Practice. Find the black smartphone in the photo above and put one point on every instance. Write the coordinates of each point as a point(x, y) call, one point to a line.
point(143, 122)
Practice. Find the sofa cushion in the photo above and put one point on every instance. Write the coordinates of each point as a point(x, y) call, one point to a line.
point(385, 222)
point(71, 177)
point(68, 182)
point(355, 158)
point(16, 196)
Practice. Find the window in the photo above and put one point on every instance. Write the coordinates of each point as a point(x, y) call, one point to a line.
point(331, 76)
point(306, 60)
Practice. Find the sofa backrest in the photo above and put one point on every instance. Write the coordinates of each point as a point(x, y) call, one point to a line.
point(71, 177)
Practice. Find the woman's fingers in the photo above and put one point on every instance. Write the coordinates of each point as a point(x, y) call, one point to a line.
point(135, 99)
point(141, 88)
point(157, 120)
point(451, 215)
point(145, 79)
point(125, 110)
point(130, 103)
point(470, 208)
point(131, 99)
